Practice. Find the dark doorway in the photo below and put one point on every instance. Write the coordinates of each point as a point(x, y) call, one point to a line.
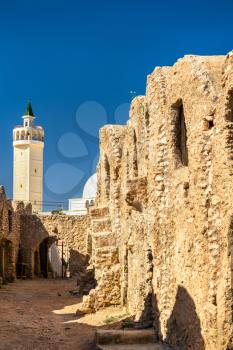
point(36, 263)
point(43, 254)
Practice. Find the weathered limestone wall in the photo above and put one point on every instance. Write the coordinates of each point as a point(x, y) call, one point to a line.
point(25, 240)
point(9, 236)
point(72, 230)
point(161, 233)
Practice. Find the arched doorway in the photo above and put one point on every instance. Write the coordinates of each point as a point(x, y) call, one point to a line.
point(41, 258)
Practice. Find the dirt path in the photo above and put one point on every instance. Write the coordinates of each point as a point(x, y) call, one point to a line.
point(32, 317)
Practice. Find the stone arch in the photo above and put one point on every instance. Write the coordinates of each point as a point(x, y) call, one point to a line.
point(29, 135)
point(34, 135)
point(40, 258)
point(22, 135)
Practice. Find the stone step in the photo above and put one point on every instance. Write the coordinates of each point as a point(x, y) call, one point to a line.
point(101, 225)
point(103, 239)
point(99, 212)
point(149, 346)
point(134, 336)
point(105, 256)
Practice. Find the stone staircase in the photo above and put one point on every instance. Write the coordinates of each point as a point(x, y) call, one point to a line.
point(103, 241)
point(105, 261)
point(143, 339)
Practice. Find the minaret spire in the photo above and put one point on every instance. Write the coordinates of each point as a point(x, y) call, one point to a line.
point(29, 110)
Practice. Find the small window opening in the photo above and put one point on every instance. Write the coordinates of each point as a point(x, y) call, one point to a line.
point(35, 171)
point(21, 186)
point(10, 220)
point(181, 136)
point(135, 155)
point(107, 176)
point(210, 124)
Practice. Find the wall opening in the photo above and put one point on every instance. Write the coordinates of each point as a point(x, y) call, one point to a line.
point(181, 135)
point(135, 155)
point(210, 124)
point(43, 258)
point(10, 220)
point(107, 176)
point(20, 265)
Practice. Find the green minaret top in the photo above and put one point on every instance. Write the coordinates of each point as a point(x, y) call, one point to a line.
point(29, 110)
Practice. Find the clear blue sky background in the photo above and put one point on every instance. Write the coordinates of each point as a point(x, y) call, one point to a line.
point(62, 54)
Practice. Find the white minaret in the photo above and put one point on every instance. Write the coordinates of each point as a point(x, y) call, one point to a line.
point(28, 161)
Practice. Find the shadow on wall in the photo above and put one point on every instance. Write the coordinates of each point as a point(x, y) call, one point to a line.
point(85, 276)
point(183, 326)
point(150, 315)
point(77, 261)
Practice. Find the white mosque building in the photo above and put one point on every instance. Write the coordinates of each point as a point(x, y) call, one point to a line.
point(79, 206)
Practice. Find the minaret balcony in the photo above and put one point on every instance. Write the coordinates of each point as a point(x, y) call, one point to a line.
point(28, 142)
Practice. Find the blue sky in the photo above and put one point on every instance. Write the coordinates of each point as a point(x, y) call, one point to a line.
point(77, 61)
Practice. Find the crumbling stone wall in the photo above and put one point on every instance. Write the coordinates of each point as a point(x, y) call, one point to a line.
point(161, 232)
point(72, 230)
point(22, 233)
point(9, 236)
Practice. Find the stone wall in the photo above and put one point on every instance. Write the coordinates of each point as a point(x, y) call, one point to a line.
point(22, 235)
point(161, 232)
point(9, 236)
point(71, 230)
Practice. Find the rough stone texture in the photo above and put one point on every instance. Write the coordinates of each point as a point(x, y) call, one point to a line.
point(72, 230)
point(22, 234)
point(161, 232)
point(10, 214)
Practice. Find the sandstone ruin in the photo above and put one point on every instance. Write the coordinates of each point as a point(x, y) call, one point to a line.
point(25, 239)
point(161, 231)
point(160, 236)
